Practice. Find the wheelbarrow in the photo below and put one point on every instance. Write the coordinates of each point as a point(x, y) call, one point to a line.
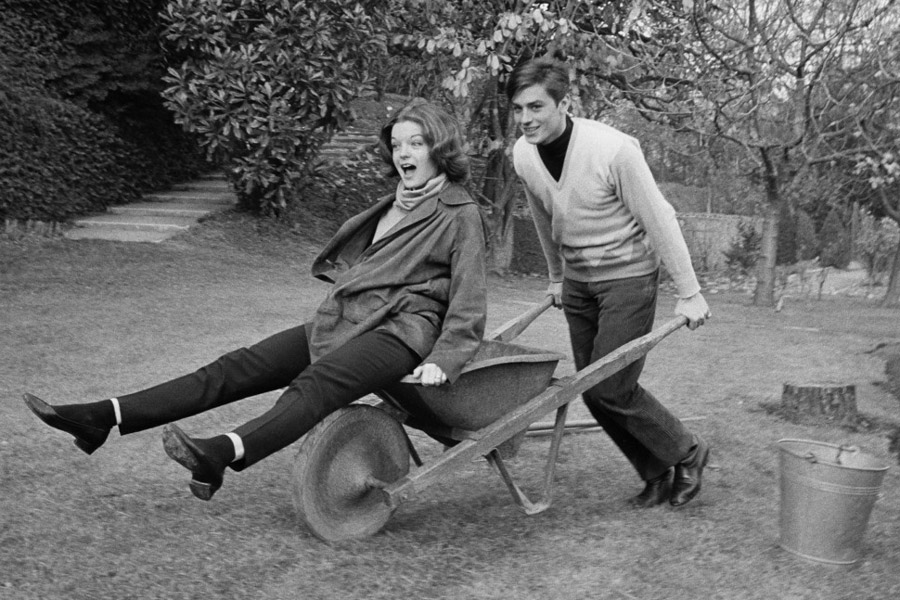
point(352, 470)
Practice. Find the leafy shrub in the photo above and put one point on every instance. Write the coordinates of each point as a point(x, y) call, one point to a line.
point(265, 83)
point(745, 250)
point(835, 241)
point(876, 243)
point(786, 249)
point(57, 160)
point(807, 241)
point(81, 122)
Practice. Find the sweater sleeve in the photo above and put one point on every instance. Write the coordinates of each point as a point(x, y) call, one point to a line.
point(544, 224)
point(639, 192)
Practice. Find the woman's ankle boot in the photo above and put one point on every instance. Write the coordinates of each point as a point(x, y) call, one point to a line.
point(89, 423)
point(206, 459)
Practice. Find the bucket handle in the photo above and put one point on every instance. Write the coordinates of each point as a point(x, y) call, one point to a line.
point(811, 457)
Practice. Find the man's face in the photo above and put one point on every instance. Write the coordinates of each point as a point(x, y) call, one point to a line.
point(542, 120)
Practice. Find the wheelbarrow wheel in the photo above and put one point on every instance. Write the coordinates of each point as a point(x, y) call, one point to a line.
point(338, 469)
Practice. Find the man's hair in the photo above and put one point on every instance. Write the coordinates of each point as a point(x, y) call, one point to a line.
point(552, 74)
point(441, 132)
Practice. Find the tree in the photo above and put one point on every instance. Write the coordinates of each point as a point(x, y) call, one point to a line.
point(763, 75)
point(265, 83)
point(869, 85)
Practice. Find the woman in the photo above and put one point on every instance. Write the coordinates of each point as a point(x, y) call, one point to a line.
point(409, 296)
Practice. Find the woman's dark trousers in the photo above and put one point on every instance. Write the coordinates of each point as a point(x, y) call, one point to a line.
point(359, 367)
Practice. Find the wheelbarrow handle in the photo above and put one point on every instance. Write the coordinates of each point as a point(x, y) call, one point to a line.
point(512, 328)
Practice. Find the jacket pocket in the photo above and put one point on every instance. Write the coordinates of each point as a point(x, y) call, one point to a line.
point(361, 307)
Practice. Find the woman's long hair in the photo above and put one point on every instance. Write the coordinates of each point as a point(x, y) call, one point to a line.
point(441, 132)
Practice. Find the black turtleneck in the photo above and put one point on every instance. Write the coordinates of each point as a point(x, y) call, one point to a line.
point(554, 153)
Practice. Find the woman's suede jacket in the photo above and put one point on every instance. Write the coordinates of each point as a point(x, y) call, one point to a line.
point(423, 281)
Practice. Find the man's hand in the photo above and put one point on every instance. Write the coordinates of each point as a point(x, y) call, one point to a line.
point(430, 374)
point(695, 309)
point(554, 290)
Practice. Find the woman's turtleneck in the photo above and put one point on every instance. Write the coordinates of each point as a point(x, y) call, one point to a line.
point(553, 153)
point(405, 200)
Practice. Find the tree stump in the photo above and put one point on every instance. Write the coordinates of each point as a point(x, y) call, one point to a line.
point(829, 401)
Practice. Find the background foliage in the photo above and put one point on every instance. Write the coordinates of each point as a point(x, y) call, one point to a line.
point(265, 83)
point(81, 122)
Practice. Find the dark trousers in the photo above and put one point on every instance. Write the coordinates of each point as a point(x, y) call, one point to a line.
point(359, 367)
point(603, 316)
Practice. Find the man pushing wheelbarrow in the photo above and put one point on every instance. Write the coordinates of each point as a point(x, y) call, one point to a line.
point(604, 226)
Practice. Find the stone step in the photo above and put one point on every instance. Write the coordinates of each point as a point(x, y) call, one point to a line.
point(160, 215)
point(165, 209)
point(340, 151)
point(345, 138)
point(211, 185)
point(119, 235)
point(221, 198)
point(138, 223)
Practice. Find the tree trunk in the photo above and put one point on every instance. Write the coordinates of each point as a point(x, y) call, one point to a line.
point(892, 296)
point(831, 401)
point(500, 189)
point(764, 294)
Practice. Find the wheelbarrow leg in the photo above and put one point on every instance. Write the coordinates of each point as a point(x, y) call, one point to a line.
point(546, 491)
point(412, 449)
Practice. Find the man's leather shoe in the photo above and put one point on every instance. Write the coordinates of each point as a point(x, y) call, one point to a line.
point(689, 473)
point(87, 437)
point(206, 473)
point(655, 492)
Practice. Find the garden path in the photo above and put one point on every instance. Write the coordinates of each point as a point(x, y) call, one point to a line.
point(160, 215)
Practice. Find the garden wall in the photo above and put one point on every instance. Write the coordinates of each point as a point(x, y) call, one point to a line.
point(708, 236)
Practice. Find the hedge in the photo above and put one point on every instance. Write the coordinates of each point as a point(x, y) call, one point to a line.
point(82, 125)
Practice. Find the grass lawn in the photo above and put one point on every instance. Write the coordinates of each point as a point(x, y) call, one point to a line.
point(88, 320)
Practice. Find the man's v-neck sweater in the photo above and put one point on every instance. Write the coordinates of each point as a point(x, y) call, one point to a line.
point(605, 218)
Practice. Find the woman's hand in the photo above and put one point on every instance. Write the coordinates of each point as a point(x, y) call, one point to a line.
point(430, 374)
point(694, 308)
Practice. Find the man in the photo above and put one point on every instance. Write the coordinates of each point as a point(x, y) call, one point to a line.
point(604, 226)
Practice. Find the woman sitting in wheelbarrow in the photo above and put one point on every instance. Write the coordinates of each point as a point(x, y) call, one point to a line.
point(409, 296)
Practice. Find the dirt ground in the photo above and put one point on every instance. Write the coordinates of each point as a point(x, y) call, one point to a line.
point(88, 320)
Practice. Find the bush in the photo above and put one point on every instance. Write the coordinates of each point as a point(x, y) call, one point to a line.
point(57, 160)
point(265, 83)
point(81, 122)
point(807, 241)
point(786, 249)
point(876, 243)
point(745, 250)
point(835, 241)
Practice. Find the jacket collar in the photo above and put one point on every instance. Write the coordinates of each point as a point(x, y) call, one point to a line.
point(451, 195)
point(350, 233)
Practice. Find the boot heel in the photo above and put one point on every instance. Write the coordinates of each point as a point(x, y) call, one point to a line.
point(203, 490)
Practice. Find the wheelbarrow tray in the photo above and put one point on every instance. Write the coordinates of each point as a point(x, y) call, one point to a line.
point(500, 377)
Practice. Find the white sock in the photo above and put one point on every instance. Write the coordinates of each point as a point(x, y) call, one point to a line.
point(115, 403)
point(238, 445)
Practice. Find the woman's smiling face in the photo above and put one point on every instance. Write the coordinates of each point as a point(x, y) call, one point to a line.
point(412, 154)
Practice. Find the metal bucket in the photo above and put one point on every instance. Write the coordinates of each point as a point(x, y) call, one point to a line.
point(827, 495)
